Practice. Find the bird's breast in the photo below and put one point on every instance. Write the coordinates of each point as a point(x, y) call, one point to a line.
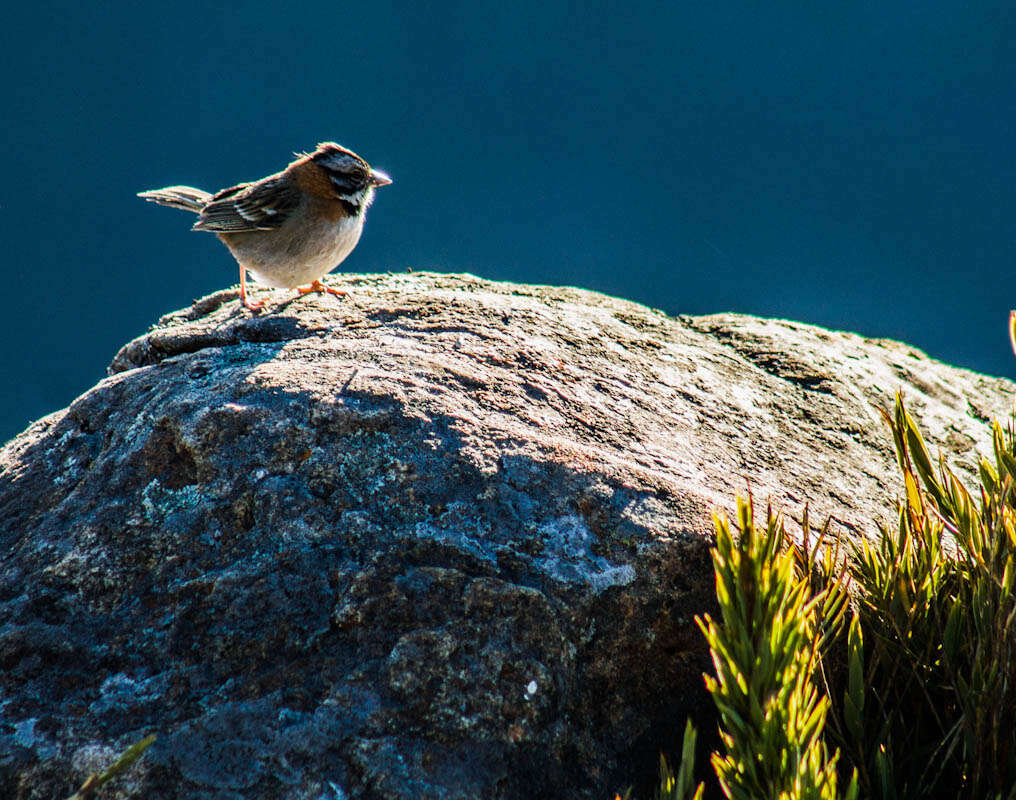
point(299, 252)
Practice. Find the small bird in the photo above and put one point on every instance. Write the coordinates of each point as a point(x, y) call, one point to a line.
point(290, 228)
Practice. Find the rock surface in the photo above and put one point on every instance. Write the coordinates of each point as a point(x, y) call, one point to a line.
point(441, 539)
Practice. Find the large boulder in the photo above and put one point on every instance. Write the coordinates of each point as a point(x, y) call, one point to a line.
point(443, 538)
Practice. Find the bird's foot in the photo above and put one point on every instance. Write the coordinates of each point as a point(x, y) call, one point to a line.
point(250, 305)
point(320, 288)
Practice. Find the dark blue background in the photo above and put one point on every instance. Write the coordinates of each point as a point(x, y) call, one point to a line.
point(849, 164)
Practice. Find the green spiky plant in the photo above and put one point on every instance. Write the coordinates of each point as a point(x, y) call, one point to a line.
point(680, 786)
point(123, 762)
point(926, 695)
point(932, 659)
point(765, 649)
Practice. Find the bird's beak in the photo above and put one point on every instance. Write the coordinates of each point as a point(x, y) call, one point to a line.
point(378, 178)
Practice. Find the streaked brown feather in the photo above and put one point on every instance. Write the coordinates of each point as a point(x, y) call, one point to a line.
point(259, 206)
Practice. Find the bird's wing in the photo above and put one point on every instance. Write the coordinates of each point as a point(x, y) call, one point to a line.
point(257, 206)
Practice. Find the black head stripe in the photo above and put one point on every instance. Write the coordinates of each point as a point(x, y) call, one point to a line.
point(347, 182)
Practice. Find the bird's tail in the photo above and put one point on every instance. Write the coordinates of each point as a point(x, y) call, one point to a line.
point(185, 197)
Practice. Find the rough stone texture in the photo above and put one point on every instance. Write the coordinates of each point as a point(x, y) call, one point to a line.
point(441, 539)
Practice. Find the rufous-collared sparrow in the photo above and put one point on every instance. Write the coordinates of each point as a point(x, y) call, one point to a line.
point(290, 228)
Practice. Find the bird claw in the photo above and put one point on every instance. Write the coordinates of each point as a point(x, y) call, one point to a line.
point(320, 288)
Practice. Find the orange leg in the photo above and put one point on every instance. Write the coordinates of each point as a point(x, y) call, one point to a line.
point(319, 287)
point(243, 293)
